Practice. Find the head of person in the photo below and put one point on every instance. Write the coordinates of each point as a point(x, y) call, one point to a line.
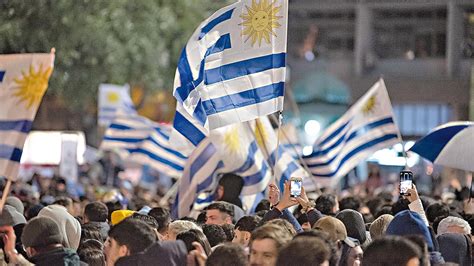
point(229, 232)
point(223, 253)
point(379, 226)
point(146, 219)
point(69, 226)
point(40, 235)
point(381, 252)
point(96, 212)
point(92, 252)
point(179, 226)
point(214, 233)
point(90, 231)
point(243, 230)
point(193, 235)
point(219, 213)
point(265, 244)
point(229, 189)
point(354, 223)
point(335, 252)
point(410, 223)
point(304, 251)
point(327, 204)
point(127, 238)
point(351, 203)
point(333, 227)
point(67, 203)
point(284, 224)
point(163, 217)
point(263, 205)
point(400, 205)
point(455, 225)
point(456, 248)
point(16, 203)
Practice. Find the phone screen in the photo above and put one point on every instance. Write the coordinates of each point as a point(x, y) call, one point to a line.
point(295, 187)
point(406, 181)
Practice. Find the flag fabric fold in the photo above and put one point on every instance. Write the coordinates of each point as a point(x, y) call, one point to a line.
point(231, 70)
point(365, 128)
point(23, 82)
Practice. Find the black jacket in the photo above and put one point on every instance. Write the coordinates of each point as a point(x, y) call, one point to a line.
point(57, 257)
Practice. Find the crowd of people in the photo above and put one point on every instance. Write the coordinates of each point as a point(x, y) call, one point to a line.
point(49, 227)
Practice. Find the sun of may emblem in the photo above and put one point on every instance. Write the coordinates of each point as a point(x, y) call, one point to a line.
point(369, 106)
point(32, 86)
point(260, 20)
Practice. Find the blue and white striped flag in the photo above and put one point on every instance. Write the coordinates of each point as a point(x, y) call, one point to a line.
point(451, 145)
point(113, 99)
point(23, 82)
point(366, 127)
point(232, 70)
point(138, 139)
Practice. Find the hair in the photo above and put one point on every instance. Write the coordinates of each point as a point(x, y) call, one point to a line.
point(228, 254)
point(264, 204)
point(333, 248)
point(444, 225)
point(400, 205)
point(232, 185)
point(222, 207)
point(306, 251)
point(325, 204)
point(134, 234)
point(229, 231)
point(162, 216)
point(180, 226)
point(436, 210)
point(149, 220)
point(273, 232)
point(214, 233)
point(349, 203)
point(63, 201)
point(90, 231)
point(284, 224)
point(386, 209)
point(96, 212)
point(247, 223)
point(420, 242)
point(193, 235)
point(380, 251)
point(91, 256)
point(379, 226)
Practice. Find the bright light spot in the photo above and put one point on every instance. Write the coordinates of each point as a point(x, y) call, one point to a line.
point(409, 144)
point(307, 150)
point(312, 128)
point(398, 147)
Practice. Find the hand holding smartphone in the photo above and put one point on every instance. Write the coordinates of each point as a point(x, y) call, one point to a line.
point(406, 181)
point(295, 186)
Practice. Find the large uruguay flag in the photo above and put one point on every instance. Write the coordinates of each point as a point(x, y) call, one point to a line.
point(366, 127)
point(231, 70)
point(451, 145)
point(23, 82)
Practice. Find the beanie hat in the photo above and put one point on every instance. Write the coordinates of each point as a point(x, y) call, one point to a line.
point(379, 226)
point(10, 216)
point(354, 223)
point(41, 232)
point(69, 226)
point(16, 203)
point(119, 215)
point(409, 223)
point(455, 248)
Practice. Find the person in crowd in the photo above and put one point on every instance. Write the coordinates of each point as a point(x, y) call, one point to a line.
point(228, 254)
point(179, 226)
point(219, 213)
point(163, 217)
point(229, 188)
point(335, 252)
point(11, 217)
point(91, 231)
point(354, 224)
point(229, 232)
point(67, 203)
point(173, 253)
point(379, 226)
point(193, 235)
point(120, 215)
point(91, 252)
point(410, 223)
point(304, 251)
point(214, 233)
point(69, 226)
point(265, 244)
point(15, 203)
point(453, 224)
point(350, 202)
point(436, 210)
point(96, 213)
point(243, 230)
point(327, 204)
point(381, 251)
point(127, 238)
point(334, 228)
point(456, 248)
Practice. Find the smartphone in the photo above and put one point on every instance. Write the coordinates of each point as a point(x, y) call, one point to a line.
point(295, 186)
point(406, 181)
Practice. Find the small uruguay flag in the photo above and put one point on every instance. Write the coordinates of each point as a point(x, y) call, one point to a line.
point(23, 82)
point(231, 70)
point(113, 99)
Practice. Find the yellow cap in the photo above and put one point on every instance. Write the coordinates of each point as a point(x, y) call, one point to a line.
point(119, 215)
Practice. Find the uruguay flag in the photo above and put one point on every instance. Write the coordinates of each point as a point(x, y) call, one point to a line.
point(451, 145)
point(23, 82)
point(366, 127)
point(231, 70)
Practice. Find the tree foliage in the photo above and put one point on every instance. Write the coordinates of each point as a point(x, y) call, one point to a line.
point(98, 41)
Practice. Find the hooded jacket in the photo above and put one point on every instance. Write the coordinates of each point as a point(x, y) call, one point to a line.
point(456, 248)
point(170, 253)
point(69, 226)
point(57, 257)
point(354, 223)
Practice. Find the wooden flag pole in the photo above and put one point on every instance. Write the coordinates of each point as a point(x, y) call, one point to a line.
point(6, 191)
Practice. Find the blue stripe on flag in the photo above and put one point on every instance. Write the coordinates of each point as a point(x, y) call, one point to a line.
point(156, 158)
point(206, 29)
point(210, 198)
point(10, 153)
point(250, 158)
point(334, 134)
point(199, 113)
point(435, 142)
point(182, 124)
point(126, 140)
point(166, 148)
point(243, 68)
point(357, 150)
point(245, 98)
point(257, 177)
point(201, 160)
point(208, 181)
point(108, 109)
point(164, 133)
point(17, 125)
point(276, 153)
point(2, 74)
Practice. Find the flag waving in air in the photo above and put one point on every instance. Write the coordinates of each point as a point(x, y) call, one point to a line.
point(366, 127)
point(23, 82)
point(231, 70)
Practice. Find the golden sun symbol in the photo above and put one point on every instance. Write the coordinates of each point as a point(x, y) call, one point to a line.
point(260, 134)
point(369, 105)
point(32, 86)
point(260, 20)
point(231, 139)
point(113, 97)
